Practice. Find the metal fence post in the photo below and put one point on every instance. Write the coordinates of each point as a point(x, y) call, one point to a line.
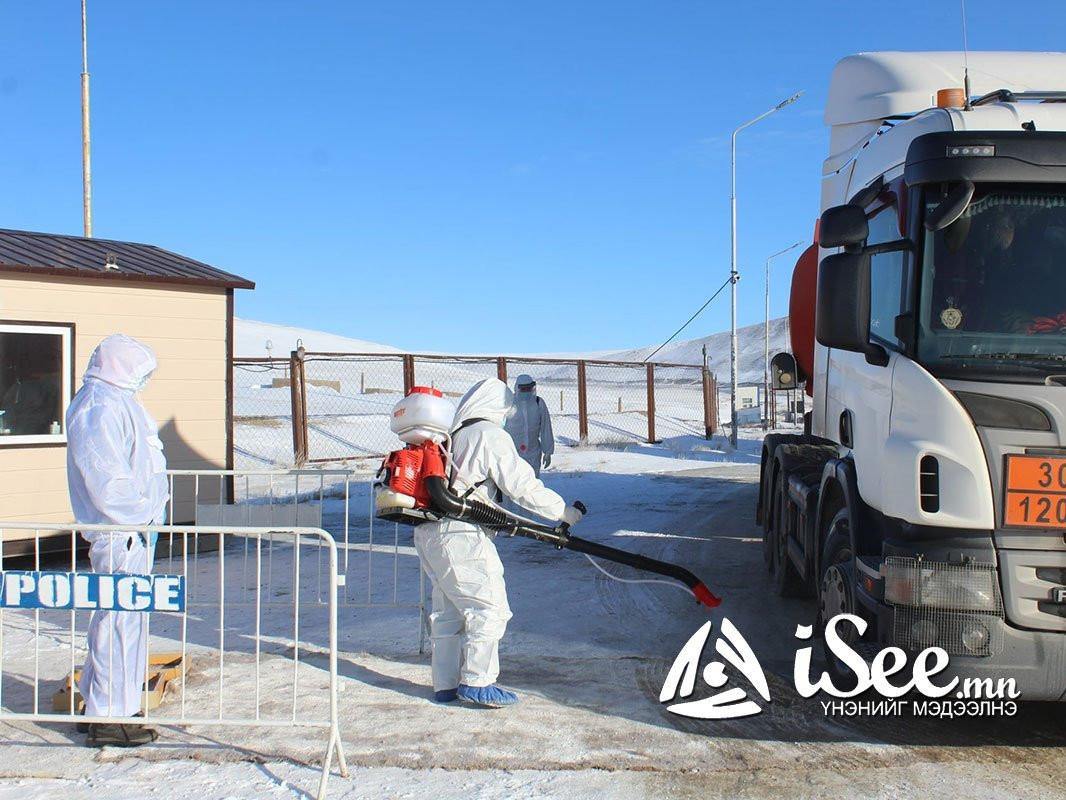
point(708, 419)
point(710, 403)
point(501, 368)
point(651, 403)
point(298, 400)
point(303, 408)
point(408, 374)
point(582, 405)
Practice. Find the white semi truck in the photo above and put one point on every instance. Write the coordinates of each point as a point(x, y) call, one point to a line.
point(928, 494)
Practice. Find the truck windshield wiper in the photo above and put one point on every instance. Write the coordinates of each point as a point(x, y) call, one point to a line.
point(1058, 358)
point(1037, 361)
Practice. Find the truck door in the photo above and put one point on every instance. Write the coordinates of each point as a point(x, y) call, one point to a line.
point(859, 400)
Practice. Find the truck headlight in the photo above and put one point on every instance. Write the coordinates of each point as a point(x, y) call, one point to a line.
point(957, 587)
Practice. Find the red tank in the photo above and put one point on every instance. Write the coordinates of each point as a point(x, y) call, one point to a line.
point(801, 307)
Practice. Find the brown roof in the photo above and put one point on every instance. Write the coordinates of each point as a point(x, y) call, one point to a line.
point(75, 256)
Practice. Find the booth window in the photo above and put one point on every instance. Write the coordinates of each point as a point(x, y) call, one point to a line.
point(35, 382)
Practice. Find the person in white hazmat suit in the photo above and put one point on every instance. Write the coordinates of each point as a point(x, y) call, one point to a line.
point(470, 609)
point(116, 473)
point(531, 425)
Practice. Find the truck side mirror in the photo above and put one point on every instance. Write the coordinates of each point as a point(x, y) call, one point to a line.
point(783, 372)
point(841, 226)
point(843, 305)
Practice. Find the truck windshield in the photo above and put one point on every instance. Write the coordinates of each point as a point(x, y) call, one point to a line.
point(993, 288)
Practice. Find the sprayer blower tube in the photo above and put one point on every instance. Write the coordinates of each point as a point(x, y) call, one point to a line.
point(471, 510)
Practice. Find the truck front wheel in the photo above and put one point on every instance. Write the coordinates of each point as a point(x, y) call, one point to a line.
point(836, 594)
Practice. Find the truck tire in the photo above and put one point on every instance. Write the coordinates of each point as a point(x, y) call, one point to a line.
point(805, 458)
point(787, 580)
point(765, 513)
point(796, 451)
point(768, 522)
point(836, 595)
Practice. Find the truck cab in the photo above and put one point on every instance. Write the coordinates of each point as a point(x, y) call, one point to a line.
point(929, 494)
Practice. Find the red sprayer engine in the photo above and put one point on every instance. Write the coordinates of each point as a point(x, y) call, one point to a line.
point(422, 420)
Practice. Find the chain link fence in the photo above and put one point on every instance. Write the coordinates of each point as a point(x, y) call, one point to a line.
point(617, 402)
point(345, 405)
point(319, 407)
point(262, 413)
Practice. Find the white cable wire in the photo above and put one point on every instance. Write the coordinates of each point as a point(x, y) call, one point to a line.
point(633, 580)
point(448, 460)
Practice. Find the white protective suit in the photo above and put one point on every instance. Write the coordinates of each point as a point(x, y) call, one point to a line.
point(531, 425)
point(470, 610)
point(116, 473)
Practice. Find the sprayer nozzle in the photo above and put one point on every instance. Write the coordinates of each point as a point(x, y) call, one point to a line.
point(706, 596)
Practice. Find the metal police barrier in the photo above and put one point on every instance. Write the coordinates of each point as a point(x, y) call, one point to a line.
point(378, 562)
point(234, 657)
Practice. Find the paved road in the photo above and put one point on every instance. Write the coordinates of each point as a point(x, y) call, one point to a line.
point(590, 664)
point(589, 656)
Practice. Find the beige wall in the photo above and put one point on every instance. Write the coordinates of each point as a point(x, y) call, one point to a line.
point(184, 326)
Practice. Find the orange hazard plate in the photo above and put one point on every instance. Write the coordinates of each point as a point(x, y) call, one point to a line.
point(1035, 492)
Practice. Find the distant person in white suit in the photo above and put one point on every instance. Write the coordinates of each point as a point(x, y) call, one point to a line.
point(531, 425)
point(116, 474)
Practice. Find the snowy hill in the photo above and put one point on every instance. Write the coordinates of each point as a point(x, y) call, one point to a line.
point(750, 351)
point(251, 337)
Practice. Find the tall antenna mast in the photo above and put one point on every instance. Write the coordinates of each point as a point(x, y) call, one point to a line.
point(965, 62)
point(87, 187)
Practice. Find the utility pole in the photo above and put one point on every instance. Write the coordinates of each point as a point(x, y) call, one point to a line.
point(734, 276)
point(766, 364)
point(87, 188)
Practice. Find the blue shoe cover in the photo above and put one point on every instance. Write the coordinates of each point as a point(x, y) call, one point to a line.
point(446, 695)
point(487, 696)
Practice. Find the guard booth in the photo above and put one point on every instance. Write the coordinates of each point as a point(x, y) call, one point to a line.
point(59, 297)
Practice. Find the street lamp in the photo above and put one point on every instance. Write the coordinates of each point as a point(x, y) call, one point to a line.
point(766, 367)
point(734, 276)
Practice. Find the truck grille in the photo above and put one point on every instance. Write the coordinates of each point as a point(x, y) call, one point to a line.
point(1030, 578)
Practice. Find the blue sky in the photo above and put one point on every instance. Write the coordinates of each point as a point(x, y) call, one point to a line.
point(466, 176)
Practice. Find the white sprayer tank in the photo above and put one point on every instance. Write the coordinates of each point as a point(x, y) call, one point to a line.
point(424, 415)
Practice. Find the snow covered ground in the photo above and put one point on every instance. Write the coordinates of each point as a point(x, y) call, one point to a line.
point(384, 677)
point(588, 656)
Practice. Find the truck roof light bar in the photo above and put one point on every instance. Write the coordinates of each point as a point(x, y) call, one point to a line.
point(1007, 96)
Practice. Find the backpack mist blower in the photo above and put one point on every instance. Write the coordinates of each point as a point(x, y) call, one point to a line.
point(413, 488)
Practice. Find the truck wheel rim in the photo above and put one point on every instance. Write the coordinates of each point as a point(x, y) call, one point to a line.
point(835, 594)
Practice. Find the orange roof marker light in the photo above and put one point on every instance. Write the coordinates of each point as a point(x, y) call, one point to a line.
point(950, 98)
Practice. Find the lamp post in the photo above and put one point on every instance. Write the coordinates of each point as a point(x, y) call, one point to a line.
point(86, 169)
point(766, 363)
point(734, 276)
